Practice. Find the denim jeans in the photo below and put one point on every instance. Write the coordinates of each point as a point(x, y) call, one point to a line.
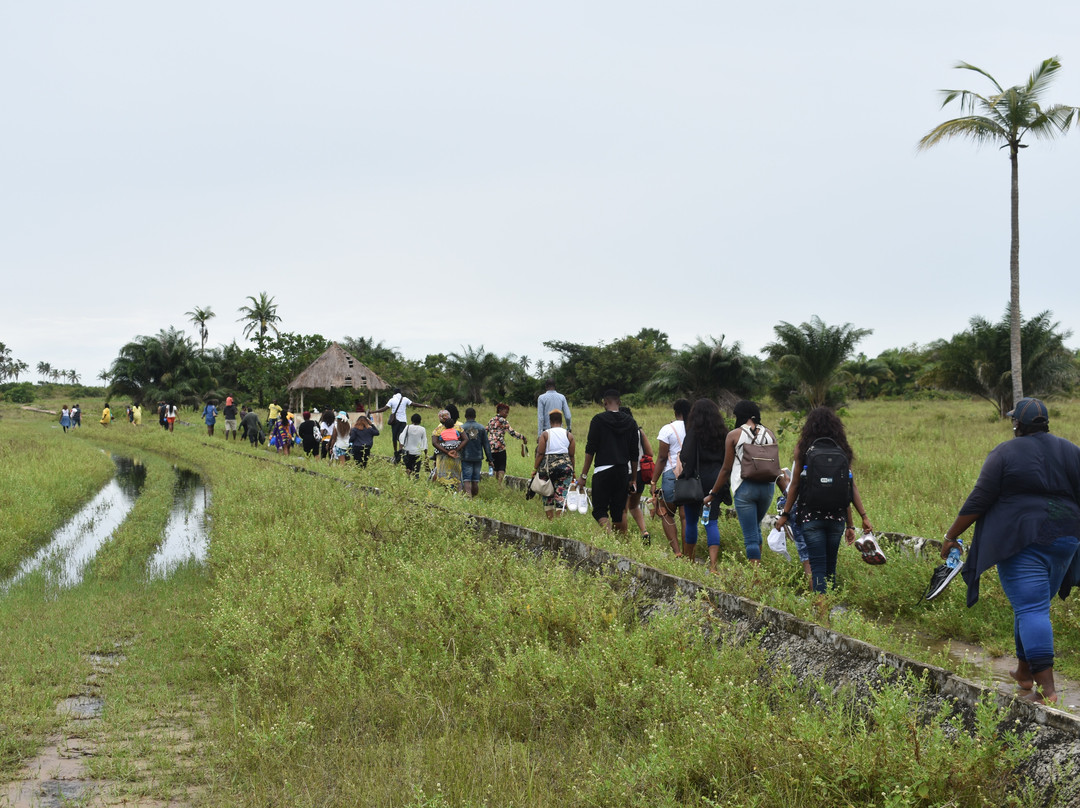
point(752, 501)
point(693, 519)
point(822, 538)
point(1030, 579)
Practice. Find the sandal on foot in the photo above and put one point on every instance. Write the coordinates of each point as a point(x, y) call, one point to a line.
point(646, 539)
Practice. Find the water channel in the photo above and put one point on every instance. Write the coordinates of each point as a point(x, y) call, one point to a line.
point(64, 558)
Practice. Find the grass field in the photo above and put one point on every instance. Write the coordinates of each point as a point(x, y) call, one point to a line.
point(352, 650)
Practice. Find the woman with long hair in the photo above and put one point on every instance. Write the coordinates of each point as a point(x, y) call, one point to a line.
point(702, 455)
point(326, 431)
point(340, 438)
point(282, 434)
point(752, 498)
point(822, 528)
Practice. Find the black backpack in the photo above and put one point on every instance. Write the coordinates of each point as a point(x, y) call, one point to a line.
point(826, 483)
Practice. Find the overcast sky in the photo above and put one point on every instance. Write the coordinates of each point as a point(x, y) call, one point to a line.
point(439, 174)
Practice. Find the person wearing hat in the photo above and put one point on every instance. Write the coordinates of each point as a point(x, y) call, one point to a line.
point(1026, 510)
point(230, 417)
point(339, 437)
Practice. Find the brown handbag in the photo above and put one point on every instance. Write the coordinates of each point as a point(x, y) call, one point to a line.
point(760, 462)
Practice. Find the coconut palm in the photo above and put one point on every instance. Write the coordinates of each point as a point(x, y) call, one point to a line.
point(814, 352)
point(199, 317)
point(1005, 117)
point(44, 369)
point(261, 316)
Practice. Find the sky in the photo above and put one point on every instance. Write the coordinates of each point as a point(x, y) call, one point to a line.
point(443, 174)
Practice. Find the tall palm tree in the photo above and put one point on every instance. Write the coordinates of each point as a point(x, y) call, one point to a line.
point(261, 316)
point(199, 317)
point(44, 369)
point(1005, 117)
point(814, 352)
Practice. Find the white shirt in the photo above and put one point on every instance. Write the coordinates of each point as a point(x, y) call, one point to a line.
point(399, 405)
point(674, 435)
point(414, 439)
point(558, 442)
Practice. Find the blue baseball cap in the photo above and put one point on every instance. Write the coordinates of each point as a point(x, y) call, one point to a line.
point(1029, 411)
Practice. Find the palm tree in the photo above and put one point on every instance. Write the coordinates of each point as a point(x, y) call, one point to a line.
point(1005, 117)
point(44, 369)
point(261, 317)
point(199, 318)
point(814, 352)
point(866, 376)
point(73, 376)
point(707, 369)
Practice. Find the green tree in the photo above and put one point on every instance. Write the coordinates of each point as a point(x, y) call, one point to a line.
point(10, 367)
point(707, 369)
point(587, 370)
point(199, 318)
point(866, 377)
point(814, 353)
point(44, 370)
point(1005, 117)
point(164, 366)
point(261, 316)
point(978, 361)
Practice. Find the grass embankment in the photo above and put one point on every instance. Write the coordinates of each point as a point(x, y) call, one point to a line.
point(372, 652)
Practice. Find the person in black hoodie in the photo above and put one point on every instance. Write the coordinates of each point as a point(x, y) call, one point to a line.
point(613, 442)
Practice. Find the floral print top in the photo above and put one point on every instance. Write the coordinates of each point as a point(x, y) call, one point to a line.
point(497, 428)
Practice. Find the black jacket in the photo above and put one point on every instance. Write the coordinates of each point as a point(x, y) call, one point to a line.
point(613, 439)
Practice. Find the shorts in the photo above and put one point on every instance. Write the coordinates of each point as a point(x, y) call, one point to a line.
point(470, 471)
point(498, 460)
point(170, 420)
point(230, 426)
point(610, 489)
point(340, 452)
point(667, 485)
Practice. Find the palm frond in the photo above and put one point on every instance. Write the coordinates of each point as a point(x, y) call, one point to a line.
point(977, 128)
point(980, 71)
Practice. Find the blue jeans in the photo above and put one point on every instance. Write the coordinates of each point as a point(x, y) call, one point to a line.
point(822, 538)
point(752, 501)
point(693, 519)
point(1030, 580)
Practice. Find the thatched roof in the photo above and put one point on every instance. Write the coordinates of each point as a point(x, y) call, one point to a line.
point(337, 369)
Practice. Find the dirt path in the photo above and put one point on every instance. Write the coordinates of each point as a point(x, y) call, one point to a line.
point(60, 774)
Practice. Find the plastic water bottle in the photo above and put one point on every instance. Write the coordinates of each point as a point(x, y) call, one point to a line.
point(953, 560)
point(491, 471)
point(705, 514)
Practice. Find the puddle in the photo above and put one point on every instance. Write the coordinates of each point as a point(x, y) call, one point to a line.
point(996, 669)
point(185, 537)
point(63, 559)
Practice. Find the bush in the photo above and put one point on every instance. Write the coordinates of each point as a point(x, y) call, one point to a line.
point(19, 392)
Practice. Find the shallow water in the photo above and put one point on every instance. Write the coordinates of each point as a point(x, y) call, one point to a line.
point(185, 537)
point(64, 558)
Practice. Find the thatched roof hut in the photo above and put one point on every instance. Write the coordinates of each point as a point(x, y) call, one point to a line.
point(336, 369)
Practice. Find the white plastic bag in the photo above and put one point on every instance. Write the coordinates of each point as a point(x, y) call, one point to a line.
point(778, 543)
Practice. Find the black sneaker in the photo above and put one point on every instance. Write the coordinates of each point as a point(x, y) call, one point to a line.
point(941, 578)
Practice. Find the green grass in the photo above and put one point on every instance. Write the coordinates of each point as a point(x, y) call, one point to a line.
point(357, 650)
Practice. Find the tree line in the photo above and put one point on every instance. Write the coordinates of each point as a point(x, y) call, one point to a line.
point(806, 365)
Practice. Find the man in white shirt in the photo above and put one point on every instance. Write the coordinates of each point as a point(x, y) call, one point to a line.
point(670, 442)
point(398, 405)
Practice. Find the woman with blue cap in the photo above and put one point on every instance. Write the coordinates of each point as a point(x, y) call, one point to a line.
point(1026, 510)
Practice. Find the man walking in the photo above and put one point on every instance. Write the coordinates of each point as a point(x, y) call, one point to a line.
point(474, 452)
point(547, 401)
point(613, 442)
point(398, 404)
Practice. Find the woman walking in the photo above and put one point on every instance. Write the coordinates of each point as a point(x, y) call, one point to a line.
point(703, 455)
point(310, 435)
point(281, 434)
point(361, 438)
point(752, 497)
point(447, 442)
point(822, 527)
point(65, 417)
point(339, 438)
point(1026, 510)
point(555, 455)
point(497, 429)
point(106, 415)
